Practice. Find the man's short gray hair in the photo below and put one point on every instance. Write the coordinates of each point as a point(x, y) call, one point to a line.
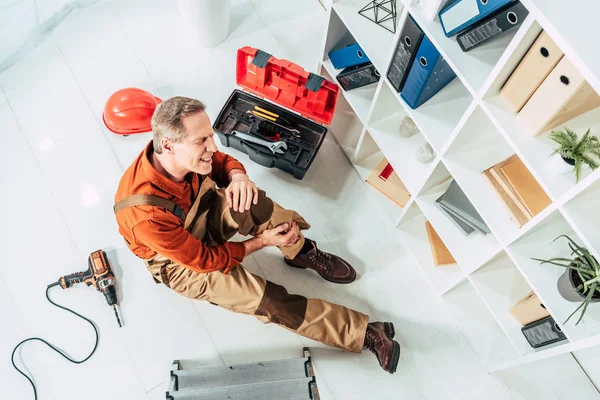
point(167, 119)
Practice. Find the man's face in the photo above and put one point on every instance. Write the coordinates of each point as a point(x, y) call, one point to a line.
point(195, 151)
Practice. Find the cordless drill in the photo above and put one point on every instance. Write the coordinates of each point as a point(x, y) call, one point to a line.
point(99, 275)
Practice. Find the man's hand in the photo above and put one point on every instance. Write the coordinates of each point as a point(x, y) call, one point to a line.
point(273, 237)
point(241, 192)
point(278, 237)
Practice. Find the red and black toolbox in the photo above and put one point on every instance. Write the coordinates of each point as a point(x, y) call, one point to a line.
point(303, 101)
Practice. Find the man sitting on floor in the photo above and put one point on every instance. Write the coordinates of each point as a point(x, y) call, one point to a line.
point(172, 215)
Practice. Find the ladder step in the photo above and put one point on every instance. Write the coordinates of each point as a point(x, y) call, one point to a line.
point(213, 377)
point(291, 389)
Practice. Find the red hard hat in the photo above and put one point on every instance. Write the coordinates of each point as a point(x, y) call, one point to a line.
point(129, 111)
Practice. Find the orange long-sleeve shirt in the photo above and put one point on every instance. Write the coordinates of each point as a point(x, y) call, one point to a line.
point(150, 230)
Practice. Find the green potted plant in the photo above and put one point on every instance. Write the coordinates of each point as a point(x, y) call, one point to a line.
point(581, 280)
point(572, 153)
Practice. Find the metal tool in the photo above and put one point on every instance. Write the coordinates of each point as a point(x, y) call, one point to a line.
point(293, 131)
point(100, 276)
point(275, 147)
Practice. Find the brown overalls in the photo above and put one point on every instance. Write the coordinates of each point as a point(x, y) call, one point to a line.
point(212, 221)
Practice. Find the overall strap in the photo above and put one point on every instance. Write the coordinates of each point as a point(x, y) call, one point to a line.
point(151, 200)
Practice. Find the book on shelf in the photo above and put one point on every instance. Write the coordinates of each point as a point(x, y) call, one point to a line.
point(522, 195)
point(384, 179)
point(529, 309)
point(441, 254)
point(465, 228)
point(455, 203)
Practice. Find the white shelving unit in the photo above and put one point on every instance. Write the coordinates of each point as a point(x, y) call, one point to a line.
point(471, 129)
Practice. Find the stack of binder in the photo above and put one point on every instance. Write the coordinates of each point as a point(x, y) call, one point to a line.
point(384, 179)
point(478, 21)
point(460, 211)
point(357, 71)
point(417, 70)
point(439, 251)
point(546, 90)
point(522, 195)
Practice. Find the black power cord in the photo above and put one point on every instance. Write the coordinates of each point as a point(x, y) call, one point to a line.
point(59, 351)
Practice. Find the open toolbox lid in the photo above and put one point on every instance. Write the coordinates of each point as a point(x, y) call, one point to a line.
point(286, 84)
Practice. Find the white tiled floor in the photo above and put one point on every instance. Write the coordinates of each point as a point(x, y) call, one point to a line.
point(60, 168)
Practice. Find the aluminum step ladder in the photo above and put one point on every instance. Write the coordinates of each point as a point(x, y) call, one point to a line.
point(292, 379)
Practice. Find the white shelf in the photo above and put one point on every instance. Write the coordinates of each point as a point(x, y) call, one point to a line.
point(412, 232)
point(537, 244)
point(473, 67)
point(360, 99)
point(469, 251)
point(501, 286)
point(373, 39)
point(470, 129)
point(477, 325)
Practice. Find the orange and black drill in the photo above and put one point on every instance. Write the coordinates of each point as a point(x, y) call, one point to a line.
point(99, 275)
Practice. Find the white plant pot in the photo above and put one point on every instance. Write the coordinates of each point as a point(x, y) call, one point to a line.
point(559, 165)
point(206, 21)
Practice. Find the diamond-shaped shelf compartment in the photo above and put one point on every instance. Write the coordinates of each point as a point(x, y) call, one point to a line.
point(413, 234)
point(478, 326)
point(478, 147)
point(535, 151)
point(438, 117)
point(543, 278)
point(475, 66)
point(470, 251)
point(367, 158)
point(385, 128)
point(375, 40)
point(501, 285)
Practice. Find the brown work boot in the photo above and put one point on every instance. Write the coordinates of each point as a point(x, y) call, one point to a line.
point(386, 349)
point(387, 327)
point(332, 268)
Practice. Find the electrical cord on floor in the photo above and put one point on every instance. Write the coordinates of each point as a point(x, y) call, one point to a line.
point(59, 351)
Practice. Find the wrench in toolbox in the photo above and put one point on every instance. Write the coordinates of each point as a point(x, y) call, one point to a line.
point(275, 147)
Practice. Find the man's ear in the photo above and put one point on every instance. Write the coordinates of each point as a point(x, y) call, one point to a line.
point(167, 145)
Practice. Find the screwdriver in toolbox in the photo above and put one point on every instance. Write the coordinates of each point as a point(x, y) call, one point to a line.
point(293, 131)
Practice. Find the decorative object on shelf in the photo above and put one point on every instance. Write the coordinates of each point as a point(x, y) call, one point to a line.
point(385, 179)
point(358, 76)
point(382, 12)
point(581, 280)
point(404, 54)
point(504, 20)
point(428, 74)
point(459, 15)
point(408, 127)
point(572, 153)
point(529, 309)
point(542, 333)
point(522, 195)
point(348, 56)
point(534, 67)
point(562, 96)
point(439, 251)
point(425, 153)
point(459, 209)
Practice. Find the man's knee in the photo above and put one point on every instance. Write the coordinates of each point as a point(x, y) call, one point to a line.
point(257, 215)
point(281, 307)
